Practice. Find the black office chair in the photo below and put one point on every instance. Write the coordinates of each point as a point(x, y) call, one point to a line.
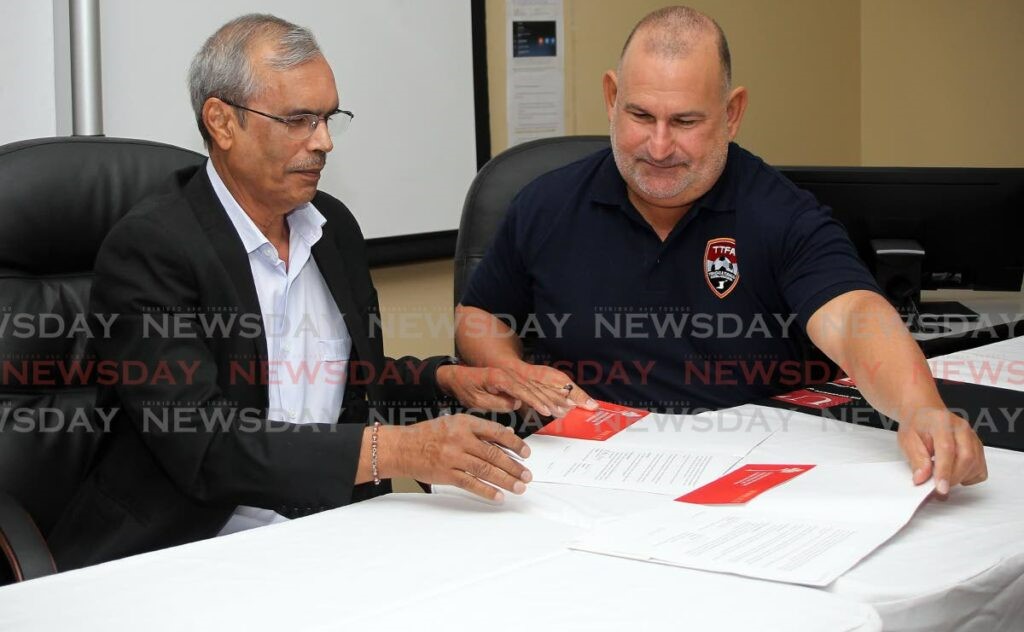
point(58, 199)
point(498, 182)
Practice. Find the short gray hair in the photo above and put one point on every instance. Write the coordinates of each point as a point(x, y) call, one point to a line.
point(670, 32)
point(223, 67)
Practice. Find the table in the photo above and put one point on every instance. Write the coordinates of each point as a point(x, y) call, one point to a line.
point(959, 564)
point(999, 364)
point(1001, 315)
point(413, 561)
point(447, 560)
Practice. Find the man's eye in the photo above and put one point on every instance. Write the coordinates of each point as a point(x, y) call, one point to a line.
point(686, 122)
point(641, 116)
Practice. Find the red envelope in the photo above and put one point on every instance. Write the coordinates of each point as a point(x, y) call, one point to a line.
point(810, 398)
point(744, 484)
point(595, 425)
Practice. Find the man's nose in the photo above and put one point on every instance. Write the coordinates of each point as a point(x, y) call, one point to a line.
point(660, 143)
point(321, 139)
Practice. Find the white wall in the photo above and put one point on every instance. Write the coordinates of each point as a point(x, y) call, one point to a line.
point(28, 94)
point(403, 66)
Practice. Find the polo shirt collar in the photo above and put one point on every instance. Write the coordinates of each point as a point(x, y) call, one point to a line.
point(610, 189)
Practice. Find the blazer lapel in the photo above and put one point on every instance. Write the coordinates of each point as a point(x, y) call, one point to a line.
point(228, 245)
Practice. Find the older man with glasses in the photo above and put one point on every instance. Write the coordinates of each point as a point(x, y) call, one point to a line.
point(261, 417)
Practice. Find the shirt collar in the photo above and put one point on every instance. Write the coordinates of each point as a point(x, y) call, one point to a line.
point(610, 189)
point(308, 222)
point(305, 219)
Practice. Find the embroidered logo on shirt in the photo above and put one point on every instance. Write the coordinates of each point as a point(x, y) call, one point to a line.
point(720, 268)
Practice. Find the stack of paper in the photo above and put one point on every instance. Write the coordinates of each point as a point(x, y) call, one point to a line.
point(621, 448)
point(809, 530)
point(596, 464)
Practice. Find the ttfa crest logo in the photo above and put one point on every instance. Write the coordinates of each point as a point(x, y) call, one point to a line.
point(720, 268)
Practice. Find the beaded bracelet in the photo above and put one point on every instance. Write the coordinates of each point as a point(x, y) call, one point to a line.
point(373, 453)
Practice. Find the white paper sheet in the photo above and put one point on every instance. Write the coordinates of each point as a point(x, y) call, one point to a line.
point(809, 530)
point(599, 464)
point(732, 431)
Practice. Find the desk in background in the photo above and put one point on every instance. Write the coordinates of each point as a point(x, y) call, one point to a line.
point(1001, 316)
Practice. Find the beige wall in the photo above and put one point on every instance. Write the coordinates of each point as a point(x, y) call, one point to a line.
point(416, 308)
point(800, 59)
point(881, 82)
point(941, 82)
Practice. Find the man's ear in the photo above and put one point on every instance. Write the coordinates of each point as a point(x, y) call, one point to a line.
point(611, 90)
point(734, 110)
point(220, 123)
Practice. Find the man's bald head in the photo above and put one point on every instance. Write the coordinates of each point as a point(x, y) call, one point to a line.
point(673, 32)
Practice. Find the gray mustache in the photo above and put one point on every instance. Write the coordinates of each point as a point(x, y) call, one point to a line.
point(314, 163)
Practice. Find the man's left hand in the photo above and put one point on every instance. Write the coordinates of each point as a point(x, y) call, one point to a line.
point(958, 453)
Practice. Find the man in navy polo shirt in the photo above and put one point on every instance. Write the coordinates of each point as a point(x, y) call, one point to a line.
point(677, 271)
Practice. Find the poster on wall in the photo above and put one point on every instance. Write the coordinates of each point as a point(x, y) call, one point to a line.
point(536, 70)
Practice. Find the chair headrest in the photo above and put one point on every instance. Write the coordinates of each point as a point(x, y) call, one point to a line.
point(60, 196)
point(498, 182)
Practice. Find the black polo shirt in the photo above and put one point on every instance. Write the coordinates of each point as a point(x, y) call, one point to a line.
point(714, 316)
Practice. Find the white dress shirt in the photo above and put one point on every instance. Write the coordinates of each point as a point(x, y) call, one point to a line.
point(308, 344)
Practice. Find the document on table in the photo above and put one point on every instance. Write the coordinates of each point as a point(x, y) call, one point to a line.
point(810, 530)
point(733, 431)
point(635, 468)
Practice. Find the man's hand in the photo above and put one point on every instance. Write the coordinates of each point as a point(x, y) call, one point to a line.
point(487, 341)
point(959, 454)
point(548, 391)
point(458, 450)
point(863, 334)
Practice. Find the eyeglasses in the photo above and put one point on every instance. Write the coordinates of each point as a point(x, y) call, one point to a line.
point(302, 126)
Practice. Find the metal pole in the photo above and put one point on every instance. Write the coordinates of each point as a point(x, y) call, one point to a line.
point(86, 84)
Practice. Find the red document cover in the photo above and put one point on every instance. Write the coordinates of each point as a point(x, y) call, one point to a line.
point(744, 484)
point(595, 425)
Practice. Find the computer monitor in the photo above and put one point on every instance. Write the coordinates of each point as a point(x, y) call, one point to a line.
point(970, 221)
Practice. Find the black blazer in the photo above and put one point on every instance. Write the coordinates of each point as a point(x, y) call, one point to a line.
point(190, 440)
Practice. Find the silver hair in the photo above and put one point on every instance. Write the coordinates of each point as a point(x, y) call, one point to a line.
point(224, 69)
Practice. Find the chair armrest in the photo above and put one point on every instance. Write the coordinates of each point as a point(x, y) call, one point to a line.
point(21, 543)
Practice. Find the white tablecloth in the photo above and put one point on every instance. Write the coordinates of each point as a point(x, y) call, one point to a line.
point(958, 565)
point(449, 561)
point(1000, 364)
point(412, 562)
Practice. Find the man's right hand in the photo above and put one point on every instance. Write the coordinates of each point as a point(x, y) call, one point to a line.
point(459, 450)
